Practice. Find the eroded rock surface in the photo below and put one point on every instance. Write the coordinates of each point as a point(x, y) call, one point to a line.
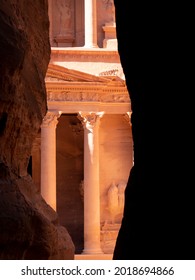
point(29, 228)
point(159, 200)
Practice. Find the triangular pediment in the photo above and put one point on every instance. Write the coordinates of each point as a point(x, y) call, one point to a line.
point(56, 73)
point(68, 85)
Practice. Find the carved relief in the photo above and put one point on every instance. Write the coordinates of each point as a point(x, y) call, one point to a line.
point(110, 228)
point(113, 203)
point(121, 197)
point(115, 97)
point(65, 16)
point(115, 196)
point(109, 5)
point(87, 97)
point(72, 96)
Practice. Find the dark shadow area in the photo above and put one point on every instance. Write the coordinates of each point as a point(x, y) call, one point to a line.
point(154, 48)
point(70, 172)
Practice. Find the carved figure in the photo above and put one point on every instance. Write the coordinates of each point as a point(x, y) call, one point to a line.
point(121, 197)
point(113, 201)
point(116, 199)
point(64, 9)
point(110, 5)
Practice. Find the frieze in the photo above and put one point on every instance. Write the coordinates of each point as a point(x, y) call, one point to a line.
point(118, 98)
point(88, 97)
point(74, 97)
point(66, 56)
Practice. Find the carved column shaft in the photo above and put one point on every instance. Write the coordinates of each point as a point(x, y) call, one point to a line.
point(91, 184)
point(90, 24)
point(127, 118)
point(48, 158)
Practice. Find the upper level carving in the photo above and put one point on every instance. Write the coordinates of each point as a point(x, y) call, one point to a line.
point(67, 21)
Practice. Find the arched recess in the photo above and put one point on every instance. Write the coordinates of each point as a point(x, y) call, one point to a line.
point(69, 177)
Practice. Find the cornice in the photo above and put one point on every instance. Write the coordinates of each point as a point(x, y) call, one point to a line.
point(84, 54)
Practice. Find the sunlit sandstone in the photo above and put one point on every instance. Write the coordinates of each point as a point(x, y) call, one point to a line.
point(86, 138)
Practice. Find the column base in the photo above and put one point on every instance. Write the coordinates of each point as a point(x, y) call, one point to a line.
point(91, 46)
point(92, 251)
point(93, 257)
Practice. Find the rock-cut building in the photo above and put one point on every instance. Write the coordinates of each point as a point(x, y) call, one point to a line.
point(83, 155)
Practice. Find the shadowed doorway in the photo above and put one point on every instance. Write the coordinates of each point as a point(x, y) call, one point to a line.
point(70, 173)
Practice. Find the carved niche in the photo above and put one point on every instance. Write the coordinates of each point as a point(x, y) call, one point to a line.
point(63, 22)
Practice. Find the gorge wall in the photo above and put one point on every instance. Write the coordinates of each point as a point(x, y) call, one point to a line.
point(154, 44)
point(29, 228)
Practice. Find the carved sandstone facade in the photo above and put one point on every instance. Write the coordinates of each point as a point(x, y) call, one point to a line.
point(86, 140)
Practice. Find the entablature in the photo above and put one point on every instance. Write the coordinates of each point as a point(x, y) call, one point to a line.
point(67, 85)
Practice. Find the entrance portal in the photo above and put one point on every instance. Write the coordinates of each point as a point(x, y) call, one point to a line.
point(70, 173)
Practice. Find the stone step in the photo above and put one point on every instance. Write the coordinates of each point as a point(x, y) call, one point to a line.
point(93, 257)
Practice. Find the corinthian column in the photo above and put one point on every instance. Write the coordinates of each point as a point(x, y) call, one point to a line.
point(48, 158)
point(91, 184)
point(90, 24)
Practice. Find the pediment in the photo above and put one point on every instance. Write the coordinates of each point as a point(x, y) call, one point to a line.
point(56, 73)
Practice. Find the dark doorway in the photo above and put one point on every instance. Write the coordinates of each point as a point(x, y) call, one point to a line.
point(70, 173)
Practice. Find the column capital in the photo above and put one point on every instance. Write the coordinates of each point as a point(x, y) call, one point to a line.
point(90, 119)
point(50, 119)
point(127, 117)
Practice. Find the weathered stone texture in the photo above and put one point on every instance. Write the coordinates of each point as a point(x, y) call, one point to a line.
point(159, 200)
point(29, 228)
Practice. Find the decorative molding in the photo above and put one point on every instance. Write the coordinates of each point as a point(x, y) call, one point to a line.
point(112, 72)
point(68, 96)
point(115, 97)
point(105, 55)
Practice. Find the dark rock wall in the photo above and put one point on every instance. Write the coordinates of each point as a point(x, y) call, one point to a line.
point(29, 228)
point(154, 44)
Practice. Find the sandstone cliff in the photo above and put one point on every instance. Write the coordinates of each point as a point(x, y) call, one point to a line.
point(29, 228)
